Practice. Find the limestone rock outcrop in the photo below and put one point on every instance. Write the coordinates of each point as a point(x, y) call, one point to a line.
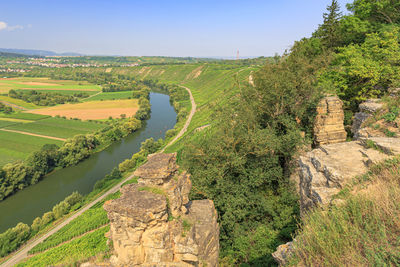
point(367, 108)
point(325, 170)
point(153, 223)
point(328, 125)
point(283, 253)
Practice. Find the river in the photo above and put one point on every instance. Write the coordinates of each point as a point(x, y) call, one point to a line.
point(35, 200)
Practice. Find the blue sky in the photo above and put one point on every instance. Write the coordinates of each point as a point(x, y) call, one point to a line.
point(159, 27)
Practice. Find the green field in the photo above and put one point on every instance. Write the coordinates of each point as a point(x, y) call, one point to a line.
point(24, 116)
point(45, 83)
point(58, 127)
point(110, 96)
point(15, 146)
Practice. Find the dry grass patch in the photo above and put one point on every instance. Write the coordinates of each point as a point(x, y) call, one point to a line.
point(93, 110)
point(362, 231)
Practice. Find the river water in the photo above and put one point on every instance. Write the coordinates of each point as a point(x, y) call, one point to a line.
point(35, 200)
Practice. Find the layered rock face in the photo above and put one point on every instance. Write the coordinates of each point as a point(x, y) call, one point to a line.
point(328, 125)
point(155, 224)
point(367, 108)
point(325, 170)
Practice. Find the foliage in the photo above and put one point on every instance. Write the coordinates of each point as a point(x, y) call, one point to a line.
point(367, 70)
point(13, 238)
point(41, 98)
point(244, 163)
point(5, 109)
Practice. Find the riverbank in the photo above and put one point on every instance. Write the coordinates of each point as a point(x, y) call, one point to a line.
point(56, 186)
point(22, 253)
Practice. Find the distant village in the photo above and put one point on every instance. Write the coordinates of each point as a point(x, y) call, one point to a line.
point(50, 62)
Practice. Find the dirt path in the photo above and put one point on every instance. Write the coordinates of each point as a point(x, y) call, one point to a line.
point(92, 95)
point(22, 253)
point(189, 119)
point(38, 135)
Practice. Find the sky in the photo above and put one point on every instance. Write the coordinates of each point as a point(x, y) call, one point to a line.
point(198, 28)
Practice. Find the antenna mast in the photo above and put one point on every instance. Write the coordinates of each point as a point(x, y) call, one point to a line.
point(237, 55)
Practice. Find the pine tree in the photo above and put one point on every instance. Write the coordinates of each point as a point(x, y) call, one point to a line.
point(328, 32)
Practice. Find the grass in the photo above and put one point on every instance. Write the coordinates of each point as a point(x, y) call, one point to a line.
point(45, 83)
point(153, 190)
point(5, 123)
point(79, 249)
point(110, 96)
point(93, 109)
point(362, 231)
point(24, 116)
point(58, 127)
point(15, 146)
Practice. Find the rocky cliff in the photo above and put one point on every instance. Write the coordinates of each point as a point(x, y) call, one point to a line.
point(155, 224)
point(325, 170)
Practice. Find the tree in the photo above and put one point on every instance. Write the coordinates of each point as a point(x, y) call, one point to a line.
point(376, 11)
point(329, 30)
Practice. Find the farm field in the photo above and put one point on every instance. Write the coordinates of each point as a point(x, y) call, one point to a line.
point(93, 110)
point(14, 146)
point(4, 122)
point(57, 127)
point(23, 116)
point(110, 96)
point(6, 84)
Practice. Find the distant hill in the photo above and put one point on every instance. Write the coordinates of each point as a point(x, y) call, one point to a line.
point(33, 52)
point(7, 54)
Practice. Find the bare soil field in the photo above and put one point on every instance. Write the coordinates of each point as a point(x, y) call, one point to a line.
point(38, 83)
point(64, 89)
point(94, 110)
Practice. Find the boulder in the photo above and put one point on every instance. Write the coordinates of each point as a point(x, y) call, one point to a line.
point(283, 253)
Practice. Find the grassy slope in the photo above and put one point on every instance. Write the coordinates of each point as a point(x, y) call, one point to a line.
point(212, 86)
point(363, 230)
